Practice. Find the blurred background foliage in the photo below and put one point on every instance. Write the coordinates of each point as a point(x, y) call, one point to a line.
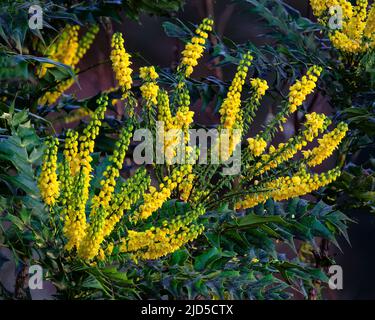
point(274, 251)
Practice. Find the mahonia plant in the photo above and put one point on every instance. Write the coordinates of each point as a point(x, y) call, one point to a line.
point(131, 216)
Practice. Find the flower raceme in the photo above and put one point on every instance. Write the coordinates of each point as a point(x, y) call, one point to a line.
point(149, 89)
point(194, 49)
point(286, 187)
point(357, 33)
point(69, 50)
point(230, 110)
point(48, 183)
point(121, 62)
point(327, 144)
point(302, 88)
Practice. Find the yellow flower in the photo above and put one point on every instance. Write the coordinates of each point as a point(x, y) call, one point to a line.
point(302, 88)
point(356, 34)
point(254, 260)
point(369, 31)
point(194, 49)
point(260, 87)
point(51, 97)
point(149, 89)
point(69, 50)
point(286, 187)
point(314, 125)
point(230, 110)
point(257, 145)
point(158, 242)
point(48, 183)
point(75, 219)
point(90, 244)
point(148, 73)
point(85, 44)
point(327, 145)
point(155, 199)
point(121, 62)
point(130, 192)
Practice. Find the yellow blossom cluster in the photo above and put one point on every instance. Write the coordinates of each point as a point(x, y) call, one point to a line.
point(186, 186)
point(64, 49)
point(302, 88)
point(69, 50)
point(260, 87)
point(357, 33)
point(287, 187)
point(169, 237)
point(121, 62)
point(155, 198)
point(130, 192)
point(320, 7)
point(230, 110)
point(149, 88)
point(174, 126)
point(47, 183)
point(257, 145)
point(327, 144)
point(80, 168)
point(87, 234)
point(113, 216)
point(100, 206)
point(314, 125)
point(194, 49)
point(51, 97)
point(69, 165)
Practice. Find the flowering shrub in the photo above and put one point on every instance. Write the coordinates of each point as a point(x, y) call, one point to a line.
point(92, 219)
point(141, 200)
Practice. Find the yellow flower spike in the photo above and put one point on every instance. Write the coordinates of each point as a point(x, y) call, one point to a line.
point(85, 44)
point(47, 182)
point(96, 232)
point(257, 146)
point(327, 145)
point(230, 110)
point(149, 89)
point(164, 111)
point(148, 73)
point(155, 199)
point(286, 187)
point(130, 192)
point(194, 49)
point(68, 50)
point(169, 237)
point(75, 220)
point(121, 62)
point(302, 88)
point(314, 125)
point(186, 186)
point(68, 170)
point(369, 31)
point(51, 97)
point(260, 87)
